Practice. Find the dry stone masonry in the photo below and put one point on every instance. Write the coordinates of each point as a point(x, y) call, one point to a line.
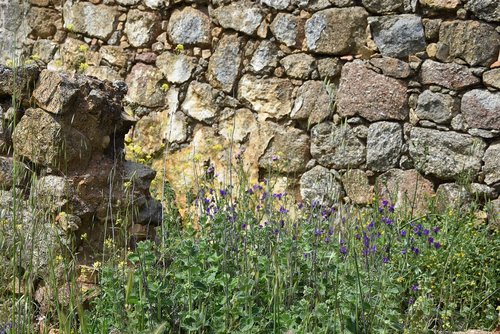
point(328, 95)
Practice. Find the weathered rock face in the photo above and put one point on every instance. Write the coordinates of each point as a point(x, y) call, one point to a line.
point(473, 41)
point(367, 85)
point(451, 76)
point(144, 86)
point(225, 63)
point(288, 150)
point(392, 67)
point(189, 26)
point(357, 186)
point(383, 6)
point(398, 35)
point(436, 107)
point(481, 109)
point(491, 166)
point(446, 155)
point(241, 16)
point(200, 102)
point(313, 103)
point(265, 57)
point(384, 144)
point(336, 31)
point(406, 189)
point(42, 21)
point(177, 68)
point(327, 192)
point(270, 98)
point(286, 28)
point(336, 146)
point(89, 19)
point(141, 27)
point(492, 78)
point(386, 100)
point(488, 10)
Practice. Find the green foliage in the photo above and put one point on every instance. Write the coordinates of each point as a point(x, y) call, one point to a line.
point(259, 264)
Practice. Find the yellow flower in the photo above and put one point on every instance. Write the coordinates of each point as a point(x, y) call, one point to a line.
point(83, 236)
point(179, 48)
point(96, 265)
point(83, 67)
point(165, 87)
point(83, 48)
point(70, 26)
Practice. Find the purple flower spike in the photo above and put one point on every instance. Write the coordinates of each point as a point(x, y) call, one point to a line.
point(414, 287)
point(223, 192)
point(385, 203)
point(437, 245)
point(431, 240)
point(343, 250)
point(426, 232)
point(385, 260)
point(403, 233)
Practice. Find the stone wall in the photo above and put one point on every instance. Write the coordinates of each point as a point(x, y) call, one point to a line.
point(338, 91)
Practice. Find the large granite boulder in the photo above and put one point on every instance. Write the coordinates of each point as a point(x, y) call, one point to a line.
point(336, 146)
point(337, 31)
point(473, 41)
point(446, 154)
point(398, 35)
point(386, 99)
point(89, 19)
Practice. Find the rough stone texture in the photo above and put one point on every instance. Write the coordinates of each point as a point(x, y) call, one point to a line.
point(312, 103)
point(141, 27)
point(114, 55)
point(383, 146)
point(144, 86)
point(225, 63)
point(383, 6)
point(41, 21)
point(357, 186)
point(446, 155)
point(200, 102)
point(488, 10)
point(270, 98)
point(189, 26)
point(491, 168)
point(287, 152)
point(41, 138)
point(437, 5)
point(336, 146)
point(12, 178)
point(386, 100)
point(177, 68)
point(481, 109)
point(475, 42)
point(398, 35)
point(327, 192)
point(298, 65)
point(451, 76)
point(88, 19)
point(492, 78)
point(265, 57)
point(406, 189)
point(452, 196)
point(241, 16)
point(336, 31)
point(329, 67)
point(239, 127)
point(277, 4)
point(392, 67)
point(436, 107)
point(15, 82)
point(103, 73)
point(285, 28)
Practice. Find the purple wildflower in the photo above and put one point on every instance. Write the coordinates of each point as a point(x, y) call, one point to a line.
point(283, 210)
point(411, 301)
point(431, 240)
point(426, 231)
point(437, 245)
point(300, 205)
point(403, 233)
point(385, 259)
point(414, 287)
point(223, 192)
point(385, 203)
point(436, 229)
point(343, 250)
point(391, 208)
